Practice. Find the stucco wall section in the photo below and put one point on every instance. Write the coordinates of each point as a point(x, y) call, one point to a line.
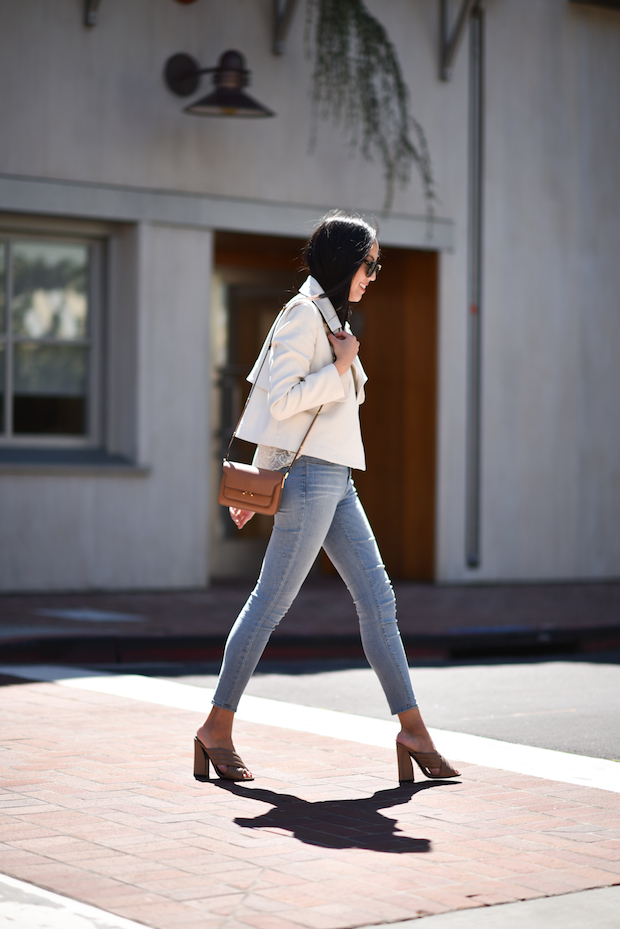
point(551, 317)
point(91, 104)
point(66, 532)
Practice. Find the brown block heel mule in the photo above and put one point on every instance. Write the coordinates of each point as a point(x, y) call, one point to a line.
point(235, 768)
point(425, 761)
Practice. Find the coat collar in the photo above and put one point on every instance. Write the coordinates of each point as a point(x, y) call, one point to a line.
point(312, 289)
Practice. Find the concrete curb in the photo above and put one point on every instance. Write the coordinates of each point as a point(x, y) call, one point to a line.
point(113, 649)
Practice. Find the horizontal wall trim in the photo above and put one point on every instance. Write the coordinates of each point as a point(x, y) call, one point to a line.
point(44, 196)
point(46, 461)
point(74, 470)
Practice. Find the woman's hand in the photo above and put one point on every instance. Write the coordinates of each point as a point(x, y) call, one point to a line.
point(345, 347)
point(240, 517)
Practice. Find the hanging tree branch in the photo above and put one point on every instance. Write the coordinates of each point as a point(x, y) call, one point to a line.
point(357, 82)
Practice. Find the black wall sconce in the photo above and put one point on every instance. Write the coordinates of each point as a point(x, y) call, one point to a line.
point(182, 77)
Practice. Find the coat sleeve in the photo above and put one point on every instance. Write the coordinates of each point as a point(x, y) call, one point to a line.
point(293, 386)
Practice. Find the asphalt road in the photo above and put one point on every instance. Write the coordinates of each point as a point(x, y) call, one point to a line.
point(566, 705)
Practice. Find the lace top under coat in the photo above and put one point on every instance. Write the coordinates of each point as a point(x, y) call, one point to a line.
point(266, 456)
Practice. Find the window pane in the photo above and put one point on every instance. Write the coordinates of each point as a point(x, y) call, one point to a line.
point(49, 389)
point(2, 290)
point(50, 290)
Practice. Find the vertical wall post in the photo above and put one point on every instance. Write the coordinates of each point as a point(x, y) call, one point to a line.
point(90, 12)
point(7, 387)
point(449, 40)
point(475, 297)
point(283, 11)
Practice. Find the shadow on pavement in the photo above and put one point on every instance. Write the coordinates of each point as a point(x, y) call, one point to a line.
point(355, 823)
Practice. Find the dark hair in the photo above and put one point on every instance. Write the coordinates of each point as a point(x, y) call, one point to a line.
point(335, 251)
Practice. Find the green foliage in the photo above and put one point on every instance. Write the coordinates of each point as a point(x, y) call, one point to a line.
point(357, 83)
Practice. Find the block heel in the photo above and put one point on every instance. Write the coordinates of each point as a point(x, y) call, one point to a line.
point(405, 768)
point(201, 761)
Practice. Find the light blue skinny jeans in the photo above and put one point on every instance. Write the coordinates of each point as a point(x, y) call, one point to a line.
point(319, 507)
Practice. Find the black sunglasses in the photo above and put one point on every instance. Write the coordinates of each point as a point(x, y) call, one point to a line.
point(372, 267)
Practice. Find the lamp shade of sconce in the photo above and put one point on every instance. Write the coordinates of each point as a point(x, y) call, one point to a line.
point(182, 77)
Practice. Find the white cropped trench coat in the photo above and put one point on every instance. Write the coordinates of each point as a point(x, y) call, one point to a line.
point(294, 375)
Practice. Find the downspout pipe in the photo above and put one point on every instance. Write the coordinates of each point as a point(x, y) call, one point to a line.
point(475, 294)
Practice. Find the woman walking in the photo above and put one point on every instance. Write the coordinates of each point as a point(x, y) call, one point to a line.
point(309, 362)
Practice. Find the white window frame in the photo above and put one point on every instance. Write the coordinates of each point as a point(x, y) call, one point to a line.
point(94, 236)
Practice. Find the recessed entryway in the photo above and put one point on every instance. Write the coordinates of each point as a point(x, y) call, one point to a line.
point(397, 327)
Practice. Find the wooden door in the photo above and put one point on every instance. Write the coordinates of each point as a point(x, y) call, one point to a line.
point(397, 327)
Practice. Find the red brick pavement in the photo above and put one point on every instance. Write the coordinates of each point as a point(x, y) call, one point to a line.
point(98, 802)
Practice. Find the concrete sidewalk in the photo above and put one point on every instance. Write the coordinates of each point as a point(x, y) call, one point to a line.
point(436, 621)
point(24, 906)
point(99, 804)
